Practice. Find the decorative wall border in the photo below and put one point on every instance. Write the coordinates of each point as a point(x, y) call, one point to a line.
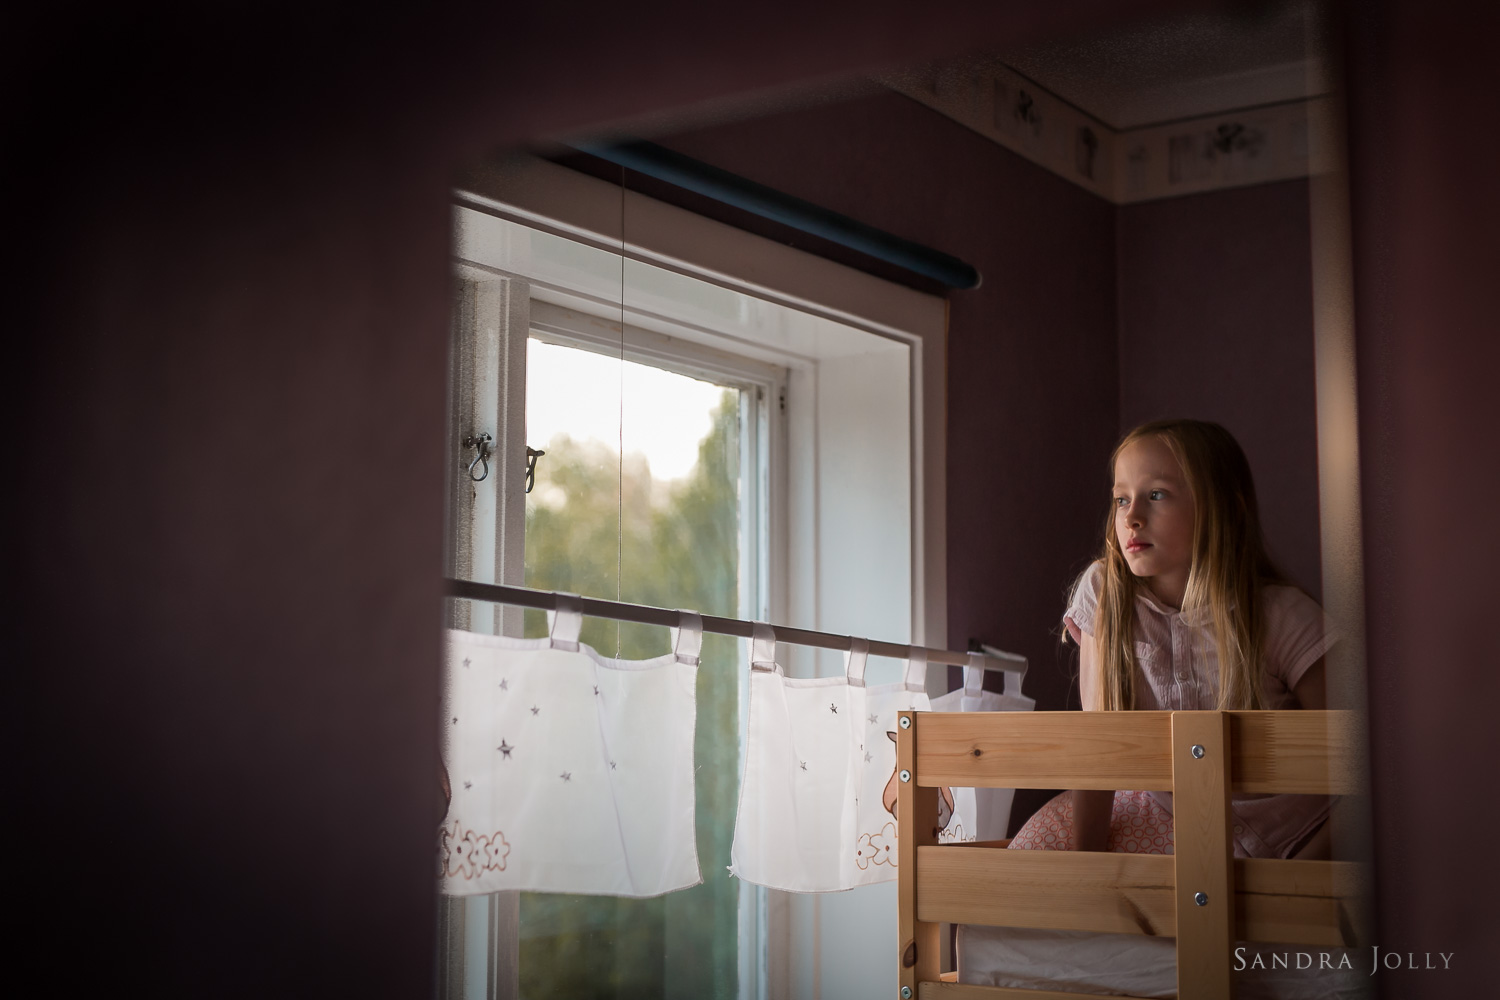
point(1214, 152)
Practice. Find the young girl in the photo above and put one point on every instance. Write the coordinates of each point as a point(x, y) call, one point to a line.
point(1184, 610)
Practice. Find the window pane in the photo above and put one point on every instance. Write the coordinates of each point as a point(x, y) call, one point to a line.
point(660, 528)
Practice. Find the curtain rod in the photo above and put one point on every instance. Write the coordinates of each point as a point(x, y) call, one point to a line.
point(643, 614)
point(731, 189)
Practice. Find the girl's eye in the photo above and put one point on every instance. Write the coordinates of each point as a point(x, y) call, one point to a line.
point(1158, 494)
point(1119, 501)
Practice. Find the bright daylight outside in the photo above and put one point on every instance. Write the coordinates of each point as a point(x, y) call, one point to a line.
point(660, 527)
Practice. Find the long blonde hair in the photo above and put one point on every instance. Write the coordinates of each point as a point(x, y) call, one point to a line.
point(1230, 567)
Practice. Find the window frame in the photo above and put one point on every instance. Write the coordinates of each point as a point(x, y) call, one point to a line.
point(553, 199)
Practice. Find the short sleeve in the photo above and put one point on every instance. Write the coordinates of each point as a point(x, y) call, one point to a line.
point(1084, 602)
point(1297, 634)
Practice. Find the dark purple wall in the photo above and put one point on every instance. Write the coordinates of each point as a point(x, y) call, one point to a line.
point(1426, 218)
point(1215, 314)
point(1032, 381)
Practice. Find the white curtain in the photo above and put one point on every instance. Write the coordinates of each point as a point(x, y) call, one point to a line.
point(982, 813)
point(570, 772)
point(817, 801)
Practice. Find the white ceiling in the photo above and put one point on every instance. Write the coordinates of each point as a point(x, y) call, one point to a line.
point(1187, 66)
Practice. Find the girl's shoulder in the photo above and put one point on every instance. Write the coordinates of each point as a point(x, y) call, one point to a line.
point(1288, 603)
point(1083, 600)
point(1297, 633)
point(1086, 586)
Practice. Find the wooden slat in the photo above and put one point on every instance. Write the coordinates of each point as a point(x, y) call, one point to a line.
point(963, 991)
point(1294, 902)
point(1299, 920)
point(1310, 753)
point(1341, 879)
point(1062, 890)
point(1308, 903)
point(1200, 810)
point(1102, 750)
point(920, 956)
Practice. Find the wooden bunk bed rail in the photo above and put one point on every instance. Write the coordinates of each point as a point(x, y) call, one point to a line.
point(1201, 894)
point(1310, 753)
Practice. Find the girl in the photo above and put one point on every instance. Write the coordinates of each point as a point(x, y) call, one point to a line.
point(1184, 610)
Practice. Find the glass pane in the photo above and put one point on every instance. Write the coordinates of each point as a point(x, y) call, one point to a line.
point(661, 528)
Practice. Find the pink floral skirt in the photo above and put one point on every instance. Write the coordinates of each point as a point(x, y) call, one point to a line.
point(1138, 824)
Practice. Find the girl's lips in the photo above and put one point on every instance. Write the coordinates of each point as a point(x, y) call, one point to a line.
point(1135, 546)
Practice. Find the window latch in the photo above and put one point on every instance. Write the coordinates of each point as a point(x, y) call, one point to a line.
point(531, 456)
point(481, 445)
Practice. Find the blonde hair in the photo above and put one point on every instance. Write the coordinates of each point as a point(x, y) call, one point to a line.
point(1230, 567)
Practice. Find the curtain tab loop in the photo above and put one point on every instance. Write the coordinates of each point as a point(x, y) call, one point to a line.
point(565, 623)
point(762, 647)
point(854, 661)
point(687, 637)
point(916, 669)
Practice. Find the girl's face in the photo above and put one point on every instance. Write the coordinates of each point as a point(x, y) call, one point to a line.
point(1154, 514)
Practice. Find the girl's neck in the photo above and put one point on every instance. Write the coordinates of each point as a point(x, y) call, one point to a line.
point(1168, 592)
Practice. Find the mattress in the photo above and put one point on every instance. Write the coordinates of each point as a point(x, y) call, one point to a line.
point(1139, 966)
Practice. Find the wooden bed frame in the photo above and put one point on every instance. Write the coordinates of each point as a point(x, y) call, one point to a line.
point(1201, 757)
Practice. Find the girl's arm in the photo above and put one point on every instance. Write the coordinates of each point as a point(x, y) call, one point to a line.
point(1091, 809)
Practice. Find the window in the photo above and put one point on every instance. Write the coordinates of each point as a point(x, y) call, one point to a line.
point(708, 444)
point(667, 526)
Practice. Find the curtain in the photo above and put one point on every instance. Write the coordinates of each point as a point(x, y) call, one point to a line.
point(817, 803)
point(569, 771)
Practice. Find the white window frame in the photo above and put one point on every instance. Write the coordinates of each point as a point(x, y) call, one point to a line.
point(552, 199)
point(555, 199)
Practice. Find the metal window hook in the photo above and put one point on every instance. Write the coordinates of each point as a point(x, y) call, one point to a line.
point(531, 456)
point(481, 445)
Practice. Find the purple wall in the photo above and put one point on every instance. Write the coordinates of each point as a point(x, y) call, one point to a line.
point(1216, 318)
point(1426, 218)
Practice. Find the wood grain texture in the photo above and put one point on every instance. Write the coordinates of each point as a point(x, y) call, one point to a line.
point(1310, 903)
point(1294, 902)
point(1296, 920)
point(1342, 879)
point(1101, 750)
point(1307, 753)
point(1300, 903)
point(1200, 808)
point(1061, 890)
point(919, 957)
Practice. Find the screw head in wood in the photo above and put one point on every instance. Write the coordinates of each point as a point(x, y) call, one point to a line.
point(905, 774)
point(1201, 898)
point(1197, 751)
point(906, 993)
point(905, 722)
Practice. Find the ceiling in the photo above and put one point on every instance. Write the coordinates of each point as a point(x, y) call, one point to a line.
point(1188, 65)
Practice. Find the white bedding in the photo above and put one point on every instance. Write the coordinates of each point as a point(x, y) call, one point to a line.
point(1134, 965)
